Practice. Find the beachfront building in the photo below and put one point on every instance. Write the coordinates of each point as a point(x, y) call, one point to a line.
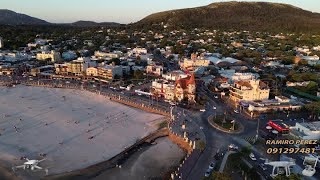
point(92, 71)
point(52, 55)
point(76, 67)
point(185, 89)
point(110, 72)
point(249, 91)
point(181, 89)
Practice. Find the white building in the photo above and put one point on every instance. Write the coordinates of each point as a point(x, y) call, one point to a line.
point(174, 75)
point(307, 130)
point(312, 60)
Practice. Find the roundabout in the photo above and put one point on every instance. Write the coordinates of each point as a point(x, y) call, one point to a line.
point(225, 125)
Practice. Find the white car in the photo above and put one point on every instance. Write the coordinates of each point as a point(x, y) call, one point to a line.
point(233, 147)
point(202, 110)
point(214, 107)
point(252, 157)
point(236, 111)
point(212, 165)
point(216, 97)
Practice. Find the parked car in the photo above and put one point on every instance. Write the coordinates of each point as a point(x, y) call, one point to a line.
point(263, 167)
point(236, 111)
point(214, 107)
point(202, 110)
point(208, 173)
point(252, 157)
point(212, 165)
point(216, 97)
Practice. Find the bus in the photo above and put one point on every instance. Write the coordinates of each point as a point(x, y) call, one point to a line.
point(280, 126)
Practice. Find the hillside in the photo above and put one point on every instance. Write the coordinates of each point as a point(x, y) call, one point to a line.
point(8, 17)
point(257, 16)
point(93, 24)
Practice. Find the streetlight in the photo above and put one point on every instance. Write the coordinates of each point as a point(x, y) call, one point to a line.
point(257, 135)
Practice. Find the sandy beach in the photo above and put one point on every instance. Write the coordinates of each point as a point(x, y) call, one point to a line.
point(149, 163)
point(72, 128)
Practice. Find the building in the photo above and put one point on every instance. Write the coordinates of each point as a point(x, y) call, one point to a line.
point(92, 71)
point(160, 87)
point(43, 69)
point(280, 103)
point(185, 89)
point(307, 131)
point(181, 89)
point(234, 77)
point(116, 54)
point(139, 51)
point(61, 69)
point(249, 91)
point(109, 72)
point(191, 64)
point(174, 75)
point(52, 55)
point(154, 69)
point(76, 67)
point(1, 43)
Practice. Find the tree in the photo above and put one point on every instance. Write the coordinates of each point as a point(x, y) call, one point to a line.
point(220, 176)
point(314, 108)
point(138, 74)
point(291, 177)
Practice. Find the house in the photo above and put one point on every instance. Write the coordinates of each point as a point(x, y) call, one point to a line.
point(249, 91)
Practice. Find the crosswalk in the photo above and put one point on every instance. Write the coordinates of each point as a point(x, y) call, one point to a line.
point(249, 139)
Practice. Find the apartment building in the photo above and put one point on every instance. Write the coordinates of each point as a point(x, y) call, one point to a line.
point(109, 72)
point(249, 91)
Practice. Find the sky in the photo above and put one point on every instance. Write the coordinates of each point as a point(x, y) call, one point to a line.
point(121, 11)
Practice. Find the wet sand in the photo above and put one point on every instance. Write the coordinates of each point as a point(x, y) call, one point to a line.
point(149, 163)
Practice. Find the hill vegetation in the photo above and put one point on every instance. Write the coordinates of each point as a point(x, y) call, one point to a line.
point(256, 16)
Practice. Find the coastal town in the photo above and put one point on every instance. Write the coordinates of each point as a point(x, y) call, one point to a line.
point(92, 98)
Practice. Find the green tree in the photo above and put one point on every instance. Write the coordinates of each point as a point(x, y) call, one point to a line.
point(220, 176)
point(314, 108)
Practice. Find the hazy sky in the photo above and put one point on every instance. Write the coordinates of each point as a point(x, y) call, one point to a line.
point(123, 11)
